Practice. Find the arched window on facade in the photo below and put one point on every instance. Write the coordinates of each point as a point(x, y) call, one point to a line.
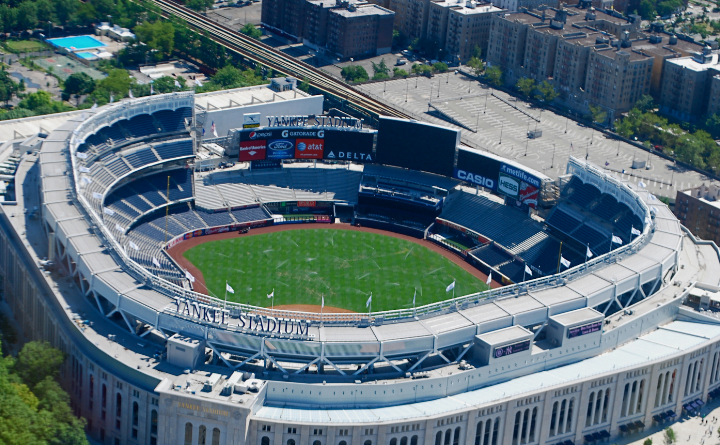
point(403, 441)
point(188, 433)
point(202, 435)
point(516, 428)
point(265, 440)
point(456, 436)
point(92, 386)
point(292, 442)
point(414, 440)
point(118, 410)
point(342, 442)
point(317, 442)
point(103, 396)
point(438, 438)
point(393, 441)
point(135, 415)
point(448, 436)
point(153, 422)
point(368, 442)
point(216, 436)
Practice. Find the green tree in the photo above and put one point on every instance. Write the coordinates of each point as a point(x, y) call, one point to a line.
point(647, 441)
point(526, 86)
point(199, 5)
point(712, 125)
point(380, 68)
point(494, 75)
point(38, 360)
point(27, 16)
point(166, 84)
point(399, 72)
point(669, 436)
point(304, 85)
point(36, 100)
point(477, 65)
point(422, 69)
point(546, 92)
point(158, 36)
point(117, 82)
point(251, 31)
point(440, 67)
point(645, 103)
point(647, 10)
point(354, 73)
point(78, 84)
point(597, 114)
point(477, 52)
point(399, 39)
point(228, 76)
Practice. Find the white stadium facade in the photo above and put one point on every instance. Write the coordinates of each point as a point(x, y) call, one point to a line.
point(624, 338)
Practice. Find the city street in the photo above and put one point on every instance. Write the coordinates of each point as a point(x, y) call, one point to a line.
point(502, 123)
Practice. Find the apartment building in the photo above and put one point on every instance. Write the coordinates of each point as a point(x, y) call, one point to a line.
point(347, 28)
point(592, 57)
point(468, 27)
point(411, 17)
point(686, 83)
point(360, 31)
point(698, 209)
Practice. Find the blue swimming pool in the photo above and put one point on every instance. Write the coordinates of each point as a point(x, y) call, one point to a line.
point(86, 55)
point(77, 42)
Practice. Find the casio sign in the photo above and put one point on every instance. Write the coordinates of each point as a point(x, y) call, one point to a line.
point(508, 186)
point(476, 179)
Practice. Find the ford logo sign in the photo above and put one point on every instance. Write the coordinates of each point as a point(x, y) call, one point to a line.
point(280, 144)
point(301, 146)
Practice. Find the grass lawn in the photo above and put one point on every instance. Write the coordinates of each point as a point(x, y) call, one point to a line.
point(24, 46)
point(343, 265)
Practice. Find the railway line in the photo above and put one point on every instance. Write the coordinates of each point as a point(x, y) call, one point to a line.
point(259, 52)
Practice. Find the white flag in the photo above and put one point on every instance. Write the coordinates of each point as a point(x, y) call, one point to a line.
point(155, 262)
point(177, 84)
point(322, 305)
point(450, 287)
point(589, 253)
point(489, 280)
point(414, 295)
point(94, 106)
point(528, 270)
point(81, 155)
point(97, 195)
point(112, 98)
point(107, 211)
point(130, 94)
point(229, 288)
point(85, 180)
point(214, 129)
point(152, 91)
point(198, 83)
point(652, 197)
point(189, 276)
point(616, 240)
point(641, 184)
point(653, 210)
point(564, 262)
point(84, 170)
point(82, 116)
point(369, 300)
point(271, 294)
point(118, 228)
point(133, 245)
point(634, 231)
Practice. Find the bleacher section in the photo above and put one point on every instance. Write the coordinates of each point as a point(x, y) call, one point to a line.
point(150, 234)
point(242, 187)
point(174, 149)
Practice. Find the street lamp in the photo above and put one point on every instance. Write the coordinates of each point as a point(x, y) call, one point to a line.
point(501, 130)
point(486, 98)
point(566, 123)
point(527, 142)
point(552, 162)
point(618, 153)
point(407, 85)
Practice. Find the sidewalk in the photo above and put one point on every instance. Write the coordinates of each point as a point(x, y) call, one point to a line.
point(688, 430)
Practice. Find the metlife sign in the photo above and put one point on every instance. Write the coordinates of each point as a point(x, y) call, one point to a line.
point(520, 174)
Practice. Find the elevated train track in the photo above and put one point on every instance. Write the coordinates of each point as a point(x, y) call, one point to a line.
point(259, 52)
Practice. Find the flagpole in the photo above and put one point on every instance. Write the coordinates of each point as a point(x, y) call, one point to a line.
point(272, 300)
point(587, 249)
point(322, 306)
point(370, 307)
point(611, 239)
point(524, 269)
point(559, 256)
point(414, 295)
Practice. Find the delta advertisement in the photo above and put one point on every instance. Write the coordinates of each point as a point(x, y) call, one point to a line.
point(278, 144)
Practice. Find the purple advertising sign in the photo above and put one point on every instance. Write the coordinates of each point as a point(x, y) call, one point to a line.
point(511, 349)
point(585, 329)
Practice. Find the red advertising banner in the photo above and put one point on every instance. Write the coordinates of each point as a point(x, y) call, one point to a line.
point(309, 148)
point(528, 194)
point(306, 203)
point(252, 150)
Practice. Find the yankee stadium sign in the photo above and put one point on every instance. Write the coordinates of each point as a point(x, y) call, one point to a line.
point(261, 324)
point(314, 121)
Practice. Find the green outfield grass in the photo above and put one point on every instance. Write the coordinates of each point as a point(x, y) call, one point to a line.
point(344, 265)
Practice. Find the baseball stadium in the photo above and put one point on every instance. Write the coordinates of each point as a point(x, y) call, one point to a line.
point(320, 278)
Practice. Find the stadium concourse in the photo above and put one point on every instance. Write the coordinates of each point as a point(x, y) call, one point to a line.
point(621, 335)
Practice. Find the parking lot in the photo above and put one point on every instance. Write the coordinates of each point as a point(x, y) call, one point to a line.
point(236, 17)
point(502, 123)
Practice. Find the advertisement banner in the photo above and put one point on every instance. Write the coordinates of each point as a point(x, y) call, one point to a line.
point(309, 148)
point(508, 186)
point(528, 195)
point(474, 178)
point(520, 174)
point(352, 146)
point(252, 150)
point(251, 120)
point(306, 203)
point(280, 149)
